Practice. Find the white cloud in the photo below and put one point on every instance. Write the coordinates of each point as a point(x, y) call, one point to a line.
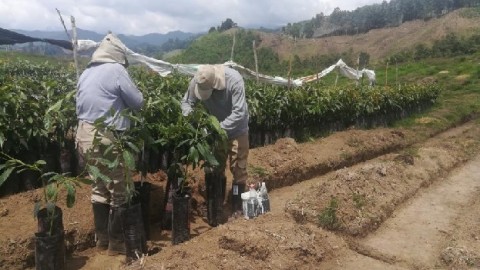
point(146, 16)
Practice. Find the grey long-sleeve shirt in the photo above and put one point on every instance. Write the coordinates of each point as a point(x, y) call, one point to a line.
point(105, 87)
point(229, 106)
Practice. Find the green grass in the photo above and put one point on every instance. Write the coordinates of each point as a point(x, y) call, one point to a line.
point(328, 217)
point(359, 200)
point(257, 170)
point(459, 78)
point(471, 13)
point(33, 58)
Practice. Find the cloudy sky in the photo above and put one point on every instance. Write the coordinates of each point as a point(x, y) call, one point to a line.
point(161, 16)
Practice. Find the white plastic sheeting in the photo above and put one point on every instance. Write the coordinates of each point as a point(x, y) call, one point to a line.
point(345, 71)
point(164, 68)
point(263, 78)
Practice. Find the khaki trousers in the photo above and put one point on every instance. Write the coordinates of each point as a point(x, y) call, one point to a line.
point(237, 154)
point(112, 193)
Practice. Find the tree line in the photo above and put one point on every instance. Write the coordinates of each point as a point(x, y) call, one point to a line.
point(363, 19)
point(450, 46)
point(216, 48)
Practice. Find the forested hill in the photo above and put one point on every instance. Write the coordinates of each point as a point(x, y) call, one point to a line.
point(376, 16)
point(454, 33)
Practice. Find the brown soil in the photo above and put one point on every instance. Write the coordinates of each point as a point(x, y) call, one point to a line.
point(371, 175)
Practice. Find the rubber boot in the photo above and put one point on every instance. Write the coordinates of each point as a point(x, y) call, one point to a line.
point(116, 238)
point(101, 214)
point(237, 208)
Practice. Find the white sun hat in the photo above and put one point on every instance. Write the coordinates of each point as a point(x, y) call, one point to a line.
point(207, 78)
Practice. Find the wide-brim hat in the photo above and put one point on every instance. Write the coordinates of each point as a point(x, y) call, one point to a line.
point(208, 78)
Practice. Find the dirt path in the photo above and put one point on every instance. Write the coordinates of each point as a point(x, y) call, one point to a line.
point(417, 235)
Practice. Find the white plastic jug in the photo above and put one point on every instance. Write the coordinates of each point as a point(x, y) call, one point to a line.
point(245, 196)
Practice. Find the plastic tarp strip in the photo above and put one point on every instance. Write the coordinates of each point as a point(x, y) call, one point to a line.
point(164, 68)
point(8, 37)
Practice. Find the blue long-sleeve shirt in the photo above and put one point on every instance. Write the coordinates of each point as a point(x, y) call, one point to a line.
point(103, 88)
point(229, 106)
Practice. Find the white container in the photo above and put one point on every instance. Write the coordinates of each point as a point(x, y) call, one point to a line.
point(245, 196)
point(265, 202)
point(252, 203)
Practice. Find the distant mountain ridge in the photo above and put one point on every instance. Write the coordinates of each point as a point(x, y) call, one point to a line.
point(131, 41)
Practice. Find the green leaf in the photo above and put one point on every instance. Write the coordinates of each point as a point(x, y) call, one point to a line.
point(193, 155)
point(109, 149)
point(201, 149)
point(114, 164)
point(162, 142)
point(129, 160)
point(23, 96)
point(56, 106)
point(48, 123)
point(96, 174)
point(209, 157)
point(40, 163)
point(133, 147)
point(176, 102)
point(5, 175)
point(216, 125)
point(184, 142)
point(2, 139)
point(85, 181)
point(104, 161)
point(48, 174)
point(51, 192)
point(24, 169)
point(70, 94)
point(56, 178)
point(70, 194)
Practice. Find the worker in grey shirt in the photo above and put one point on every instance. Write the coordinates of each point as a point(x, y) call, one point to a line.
point(222, 91)
point(104, 90)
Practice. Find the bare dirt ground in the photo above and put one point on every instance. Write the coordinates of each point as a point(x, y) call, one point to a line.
point(357, 199)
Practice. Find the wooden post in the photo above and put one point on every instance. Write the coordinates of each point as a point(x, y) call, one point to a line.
point(75, 45)
point(256, 60)
point(290, 64)
point(233, 47)
point(63, 23)
point(396, 72)
point(358, 68)
point(386, 74)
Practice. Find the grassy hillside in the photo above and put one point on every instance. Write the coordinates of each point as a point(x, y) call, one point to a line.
point(379, 43)
point(280, 54)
